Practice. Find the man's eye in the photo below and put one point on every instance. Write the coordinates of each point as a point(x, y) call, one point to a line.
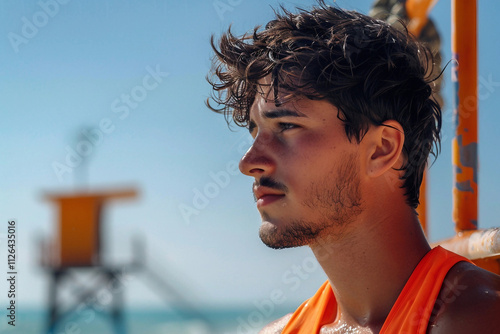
point(287, 126)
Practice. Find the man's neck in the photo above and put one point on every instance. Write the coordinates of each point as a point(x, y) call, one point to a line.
point(368, 268)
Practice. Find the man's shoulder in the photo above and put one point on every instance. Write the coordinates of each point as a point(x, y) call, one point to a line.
point(469, 302)
point(276, 327)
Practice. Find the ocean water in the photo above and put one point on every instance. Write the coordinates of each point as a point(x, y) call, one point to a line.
point(228, 321)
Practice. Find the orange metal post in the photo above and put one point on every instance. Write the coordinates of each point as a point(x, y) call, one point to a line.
point(418, 11)
point(464, 146)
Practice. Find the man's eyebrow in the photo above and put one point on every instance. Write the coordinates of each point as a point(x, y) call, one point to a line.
point(277, 113)
point(282, 113)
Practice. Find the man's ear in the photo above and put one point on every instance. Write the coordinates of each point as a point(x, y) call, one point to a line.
point(385, 148)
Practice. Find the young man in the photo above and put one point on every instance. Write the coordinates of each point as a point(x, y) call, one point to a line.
point(343, 121)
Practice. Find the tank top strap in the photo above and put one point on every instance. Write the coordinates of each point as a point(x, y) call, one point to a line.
point(413, 308)
point(314, 313)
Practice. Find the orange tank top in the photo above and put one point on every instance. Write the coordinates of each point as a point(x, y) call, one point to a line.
point(411, 311)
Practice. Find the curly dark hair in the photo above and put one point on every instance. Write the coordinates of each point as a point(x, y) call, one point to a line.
point(369, 70)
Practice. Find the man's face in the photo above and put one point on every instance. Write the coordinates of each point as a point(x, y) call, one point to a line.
point(306, 171)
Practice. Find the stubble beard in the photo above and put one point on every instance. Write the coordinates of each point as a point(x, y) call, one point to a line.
point(336, 200)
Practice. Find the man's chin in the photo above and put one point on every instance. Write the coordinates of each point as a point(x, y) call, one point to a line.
point(275, 238)
point(276, 243)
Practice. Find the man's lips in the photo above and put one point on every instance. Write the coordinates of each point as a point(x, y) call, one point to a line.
point(265, 196)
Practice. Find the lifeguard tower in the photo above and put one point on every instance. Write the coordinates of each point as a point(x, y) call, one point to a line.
point(75, 250)
point(74, 255)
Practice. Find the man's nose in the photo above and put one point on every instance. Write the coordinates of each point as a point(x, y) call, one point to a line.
point(258, 160)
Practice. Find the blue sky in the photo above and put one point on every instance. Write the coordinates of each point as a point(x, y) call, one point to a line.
point(76, 71)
